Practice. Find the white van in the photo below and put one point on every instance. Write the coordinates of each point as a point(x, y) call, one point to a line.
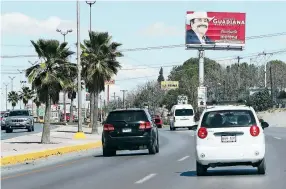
point(182, 116)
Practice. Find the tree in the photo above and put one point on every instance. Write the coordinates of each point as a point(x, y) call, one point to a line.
point(99, 64)
point(13, 97)
point(260, 101)
point(161, 76)
point(26, 95)
point(71, 88)
point(38, 104)
point(50, 76)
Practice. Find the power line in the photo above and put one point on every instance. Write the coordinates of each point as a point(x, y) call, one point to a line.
point(153, 47)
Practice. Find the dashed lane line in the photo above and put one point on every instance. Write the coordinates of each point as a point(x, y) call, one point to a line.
point(183, 158)
point(148, 177)
point(277, 138)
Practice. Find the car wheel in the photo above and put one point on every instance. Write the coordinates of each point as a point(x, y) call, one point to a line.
point(261, 168)
point(108, 152)
point(9, 130)
point(30, 129)
point(33, 128)
point(152, 148)
point(201, 169)
point(157, 146)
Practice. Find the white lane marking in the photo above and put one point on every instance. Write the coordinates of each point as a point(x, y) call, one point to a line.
point(183, 158)
point(145, 178)
point(277, 138)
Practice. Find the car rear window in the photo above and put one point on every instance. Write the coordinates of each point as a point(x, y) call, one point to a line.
point(184, 112)
point(228, 118)
point(19, 113)
point(128, 116)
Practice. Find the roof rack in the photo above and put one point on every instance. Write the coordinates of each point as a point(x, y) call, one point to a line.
point(227, 102)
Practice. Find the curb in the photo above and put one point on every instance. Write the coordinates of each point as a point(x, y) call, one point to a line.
point(12, 160)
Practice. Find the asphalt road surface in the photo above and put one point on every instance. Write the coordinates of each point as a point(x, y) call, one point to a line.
point(21, 132)
point(173, 167)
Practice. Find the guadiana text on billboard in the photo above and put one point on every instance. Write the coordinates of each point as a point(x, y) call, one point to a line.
point(215, 30)
point(167, 85)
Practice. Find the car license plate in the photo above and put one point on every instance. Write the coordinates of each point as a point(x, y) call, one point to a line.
point(228, 138)
point(126, 130)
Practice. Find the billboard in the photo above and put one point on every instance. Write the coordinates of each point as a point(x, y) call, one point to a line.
point(215, 30)
point(167, 85)
point(202, 96)
point(110, 82)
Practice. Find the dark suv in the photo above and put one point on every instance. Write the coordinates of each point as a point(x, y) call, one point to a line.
point(129, 129)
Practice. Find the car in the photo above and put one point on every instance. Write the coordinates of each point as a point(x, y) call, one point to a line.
point(19, 119)
point(158, 121)
point(129, 129)
point(4, 116)
point(230, 135)
point(182, 116)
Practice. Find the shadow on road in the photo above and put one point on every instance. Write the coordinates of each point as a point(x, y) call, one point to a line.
point(125, 155)
point(235, 172)
point(24, 142)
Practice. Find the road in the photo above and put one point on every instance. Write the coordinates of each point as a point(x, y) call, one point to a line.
point(172, 168)
point(21, 132)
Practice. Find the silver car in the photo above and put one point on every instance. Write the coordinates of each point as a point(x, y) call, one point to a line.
point(19, 119)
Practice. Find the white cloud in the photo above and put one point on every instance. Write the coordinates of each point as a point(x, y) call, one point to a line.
point(18, 23)
point(161, 29)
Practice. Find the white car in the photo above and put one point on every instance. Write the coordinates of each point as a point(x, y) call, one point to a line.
point(182, 116)
point(230, 136)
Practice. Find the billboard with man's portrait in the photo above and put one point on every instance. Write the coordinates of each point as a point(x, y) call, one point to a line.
point(215, 30)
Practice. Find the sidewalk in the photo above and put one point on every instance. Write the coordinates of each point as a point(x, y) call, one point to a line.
point(25, 148)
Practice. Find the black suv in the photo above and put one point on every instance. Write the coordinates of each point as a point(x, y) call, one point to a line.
point(129, 129)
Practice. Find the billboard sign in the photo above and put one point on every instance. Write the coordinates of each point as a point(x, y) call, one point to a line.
point(202, 96)
point(110, 82)
point(167, 85)
point(215, 30)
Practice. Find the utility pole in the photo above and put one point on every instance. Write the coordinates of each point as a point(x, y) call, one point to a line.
point(6, 88)
point(90, 3)
point(238, 72)
point(265, 67)
point(12, 79)
point(79, 134)
point(123, 97)
point(64, 33)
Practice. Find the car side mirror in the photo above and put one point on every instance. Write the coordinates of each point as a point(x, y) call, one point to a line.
point(168, 114)
point(261, 120)
point(264, 124)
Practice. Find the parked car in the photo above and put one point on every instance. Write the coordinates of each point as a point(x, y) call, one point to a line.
point(158, 121)
point(19, 119)
point(129, 129)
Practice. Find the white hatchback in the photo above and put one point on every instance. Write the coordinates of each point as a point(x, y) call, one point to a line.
point(230, 136)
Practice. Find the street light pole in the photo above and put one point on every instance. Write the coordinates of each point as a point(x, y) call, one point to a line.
point(12, 79)
point(79, 134)
point(90, 3)
point(64, 33)
point(6, 87)
point(123, 97)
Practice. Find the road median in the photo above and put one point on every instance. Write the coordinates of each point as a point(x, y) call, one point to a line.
point(28, 148)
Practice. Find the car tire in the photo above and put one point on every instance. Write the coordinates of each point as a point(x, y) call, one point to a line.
point(152, 148)
point(33, 128)
point(30, 129)
point(201, 169)
point(108, 152)
point(157, 146)
point(261, 168)
point(9, 130)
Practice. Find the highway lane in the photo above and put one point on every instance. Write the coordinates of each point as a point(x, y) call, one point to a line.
point(173, 167)
point(21, 132)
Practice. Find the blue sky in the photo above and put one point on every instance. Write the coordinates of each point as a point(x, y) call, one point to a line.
point(132, 24)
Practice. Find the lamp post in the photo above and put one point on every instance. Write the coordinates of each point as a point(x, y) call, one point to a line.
point(64, 33)
point(90, 3)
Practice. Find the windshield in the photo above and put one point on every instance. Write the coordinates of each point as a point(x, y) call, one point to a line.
point(19, 113)
point(228, 118)
point(184, 112)
point(128, 116)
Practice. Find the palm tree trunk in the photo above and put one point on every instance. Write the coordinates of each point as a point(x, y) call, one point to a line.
point(65, 107)
point(46, 128)
point(95, 115)
point(37, 113)
point(71, 111)
point(91, 106)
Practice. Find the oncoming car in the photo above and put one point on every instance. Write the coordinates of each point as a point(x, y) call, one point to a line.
point(230, 136)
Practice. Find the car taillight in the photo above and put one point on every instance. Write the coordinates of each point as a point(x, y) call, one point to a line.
point(202, 133)
point(254, 130)
point(145, 125)
point(108, 127)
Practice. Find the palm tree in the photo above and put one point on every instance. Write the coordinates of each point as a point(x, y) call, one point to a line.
point(13, 97)
point(50, 76)
point(38, 104)
point(26, 94)
point(71, 88)
point(99, 64)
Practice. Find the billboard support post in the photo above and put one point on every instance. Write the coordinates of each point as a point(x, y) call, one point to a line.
point(201, 67)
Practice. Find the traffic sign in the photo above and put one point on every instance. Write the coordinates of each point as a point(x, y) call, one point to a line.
point(110, 82)
point(202, 96)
